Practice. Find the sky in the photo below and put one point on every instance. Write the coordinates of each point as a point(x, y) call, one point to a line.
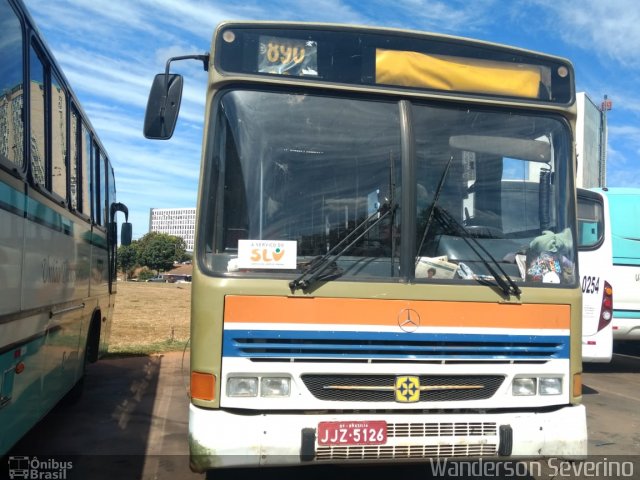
point(110, 50)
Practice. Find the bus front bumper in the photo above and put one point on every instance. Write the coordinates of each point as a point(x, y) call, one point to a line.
point(218, 438)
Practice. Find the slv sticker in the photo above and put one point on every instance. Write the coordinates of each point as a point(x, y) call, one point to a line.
point(281, 254)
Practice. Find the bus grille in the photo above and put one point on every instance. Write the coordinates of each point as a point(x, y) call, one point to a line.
point(374, 346)
point(444, 429)
point(362, 388)
point(459, 439)
point(376, 452)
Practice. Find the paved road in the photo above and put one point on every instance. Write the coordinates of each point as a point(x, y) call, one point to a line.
point(612, 397)
point(132, 422)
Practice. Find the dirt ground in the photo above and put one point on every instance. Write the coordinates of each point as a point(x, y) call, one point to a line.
point(149, 314)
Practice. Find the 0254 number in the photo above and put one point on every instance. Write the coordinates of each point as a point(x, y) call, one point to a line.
point(590, 284)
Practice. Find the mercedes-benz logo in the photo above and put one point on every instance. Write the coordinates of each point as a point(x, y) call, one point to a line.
point(408, 320)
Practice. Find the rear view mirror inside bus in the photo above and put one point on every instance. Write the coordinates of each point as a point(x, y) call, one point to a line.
point(163, 106)
point(523, 149)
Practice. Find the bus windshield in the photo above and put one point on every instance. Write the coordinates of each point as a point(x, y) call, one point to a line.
point(292, 175)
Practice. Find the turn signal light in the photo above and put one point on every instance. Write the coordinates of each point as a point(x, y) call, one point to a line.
point(203, 386)
point(577, 384)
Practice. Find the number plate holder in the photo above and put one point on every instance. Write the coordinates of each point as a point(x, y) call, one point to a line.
point(367, 432)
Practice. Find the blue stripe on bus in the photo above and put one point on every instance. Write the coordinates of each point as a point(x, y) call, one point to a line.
point(386, 345)
point(11, 199)
point(40, 213)
point(17, 202)
point(626, 313)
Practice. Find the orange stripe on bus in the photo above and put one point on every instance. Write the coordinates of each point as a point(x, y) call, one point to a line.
point(350, 311)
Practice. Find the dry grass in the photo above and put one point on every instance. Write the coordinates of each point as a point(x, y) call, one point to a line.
point(150, 318)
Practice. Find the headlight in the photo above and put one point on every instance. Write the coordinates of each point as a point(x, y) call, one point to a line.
point(550, 386)
point(242, 387)
point(275, 386)
point(523, 386)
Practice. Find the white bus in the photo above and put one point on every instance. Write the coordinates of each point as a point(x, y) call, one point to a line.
point(594, 258)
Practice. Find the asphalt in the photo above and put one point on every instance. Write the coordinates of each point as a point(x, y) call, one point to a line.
point(130, 423)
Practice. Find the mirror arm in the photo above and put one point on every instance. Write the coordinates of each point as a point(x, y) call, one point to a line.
point(203, 58)
point(119, 207)
point(205, 63)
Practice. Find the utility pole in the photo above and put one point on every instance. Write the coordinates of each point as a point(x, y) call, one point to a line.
point(605, 106)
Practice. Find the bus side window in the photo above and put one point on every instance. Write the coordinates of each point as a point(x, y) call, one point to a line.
point(74, 152)
point(58, 109)
point(11, 89)
point(590, 224)
point(84, 170)
point(97, 175)
point(103, 164)
point(37, 87)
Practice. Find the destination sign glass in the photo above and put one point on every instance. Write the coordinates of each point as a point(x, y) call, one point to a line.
point(392, 58)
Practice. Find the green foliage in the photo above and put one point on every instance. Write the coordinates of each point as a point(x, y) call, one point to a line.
point(127, 259)
point(159, 251)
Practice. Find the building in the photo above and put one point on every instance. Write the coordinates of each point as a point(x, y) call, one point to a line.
point(591, 142)
point(180, 222)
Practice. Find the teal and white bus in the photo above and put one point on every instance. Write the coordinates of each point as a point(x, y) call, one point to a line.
point(623, 205)
point(620, 238)
point(58, 232)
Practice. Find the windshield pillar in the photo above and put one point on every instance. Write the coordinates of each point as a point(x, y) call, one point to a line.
point(408, 193)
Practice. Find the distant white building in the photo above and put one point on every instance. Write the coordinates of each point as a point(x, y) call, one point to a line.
point(180, 222)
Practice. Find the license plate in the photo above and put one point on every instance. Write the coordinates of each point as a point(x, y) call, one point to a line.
point(352, 433)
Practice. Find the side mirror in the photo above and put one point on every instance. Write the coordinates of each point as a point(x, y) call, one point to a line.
point(163, 106)
point(125, 234)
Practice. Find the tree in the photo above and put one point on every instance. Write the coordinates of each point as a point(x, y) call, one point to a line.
point(127, 258)
point(159, 251)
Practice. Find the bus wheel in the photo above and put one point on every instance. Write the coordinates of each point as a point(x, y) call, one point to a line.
point(90, 356)
point(91, 351)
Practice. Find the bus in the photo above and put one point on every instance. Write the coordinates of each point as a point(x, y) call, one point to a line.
point(594, 258)
point(620, 209)
point(58, 236)
point(356, 293)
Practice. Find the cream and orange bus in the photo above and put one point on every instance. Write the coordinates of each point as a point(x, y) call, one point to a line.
point(385, 265)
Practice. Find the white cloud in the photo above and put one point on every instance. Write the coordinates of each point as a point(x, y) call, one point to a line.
point(439, 16)
point(608, 30)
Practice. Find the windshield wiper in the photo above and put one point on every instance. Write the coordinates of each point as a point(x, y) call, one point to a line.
point(436, 196)
point(319, 265)
point(504, 281)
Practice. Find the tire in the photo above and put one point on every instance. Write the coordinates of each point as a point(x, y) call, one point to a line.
point(74, 395)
